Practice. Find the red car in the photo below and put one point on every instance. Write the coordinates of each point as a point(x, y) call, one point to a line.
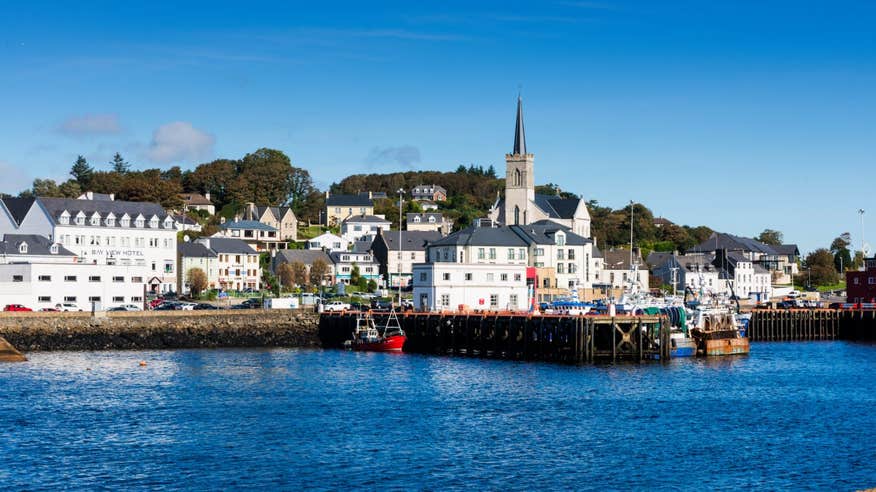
point(16, 307)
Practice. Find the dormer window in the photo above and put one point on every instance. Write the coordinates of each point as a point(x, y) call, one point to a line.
point(153, 222)
point(560, 239)
point(110, 220)
point(431, 219)
point(140, 221)
point(64, 218)
point(22, 248)
point(80, 218)
point(168, 223)
point(95, 219)
point(53, 249)
point(125, 221)
point(417, 218)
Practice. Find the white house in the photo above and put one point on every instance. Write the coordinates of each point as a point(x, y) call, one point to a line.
point(479, 268)
point(360, 227)
point(344, 262)
point(38, 273)
point(261, 237)
point(397, 258)
point(428, 222)
point(329, 242)
point(620, 274)
point(102, 231)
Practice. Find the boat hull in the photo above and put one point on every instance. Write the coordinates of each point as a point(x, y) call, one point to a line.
point(683, 347)
point(391, 344)
point(725, 346)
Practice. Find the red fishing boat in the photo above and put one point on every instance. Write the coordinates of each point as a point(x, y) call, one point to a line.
point(367, 337)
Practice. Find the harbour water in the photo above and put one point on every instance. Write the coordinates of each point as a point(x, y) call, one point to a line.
point(790, 415)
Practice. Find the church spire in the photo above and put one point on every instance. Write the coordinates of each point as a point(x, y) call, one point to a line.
point(519, 136)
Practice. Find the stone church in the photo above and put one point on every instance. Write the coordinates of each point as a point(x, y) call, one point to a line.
point(522, 205)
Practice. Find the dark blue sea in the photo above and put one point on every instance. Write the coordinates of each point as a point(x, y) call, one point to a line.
point(789, 416)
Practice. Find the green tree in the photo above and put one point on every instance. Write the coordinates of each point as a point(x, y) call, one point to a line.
point(818, 269)
point(318, 270)
point(300, 188)
point(372, 285)
point(70, 189)
point(82, 172)
point(196, 280)
point(355, 275)
point(842, 256)
point(299, 274)
point(119, 165)
point(771, 237)
point(46, 187)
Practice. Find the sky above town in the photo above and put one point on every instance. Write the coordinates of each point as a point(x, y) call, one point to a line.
point(739, 115)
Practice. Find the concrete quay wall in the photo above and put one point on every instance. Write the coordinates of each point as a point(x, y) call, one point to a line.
point(159, 330)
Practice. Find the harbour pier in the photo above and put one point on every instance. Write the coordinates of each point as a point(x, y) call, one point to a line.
point(786, 325)
point(516, 336)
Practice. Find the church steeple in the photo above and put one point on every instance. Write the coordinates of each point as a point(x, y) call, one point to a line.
point(519, 135)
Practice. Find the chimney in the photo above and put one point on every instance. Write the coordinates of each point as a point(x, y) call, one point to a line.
point(207, 196)
point(221, 220)
point(112, 197)
point(327, 195)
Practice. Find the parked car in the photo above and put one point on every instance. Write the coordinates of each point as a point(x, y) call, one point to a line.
point(407, 304)
point(167, 306)
point(381, 304)
point(16, 307)
point(116, 308)
point(49, 310)
point(67, 306)
point(358, 306)
point(244, 306)
point(185, 306)
point(203, 306)
point(335, 306)
point(125, 307)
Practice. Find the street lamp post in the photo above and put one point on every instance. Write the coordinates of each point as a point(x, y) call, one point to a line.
point(401, 193)
point(861, 213)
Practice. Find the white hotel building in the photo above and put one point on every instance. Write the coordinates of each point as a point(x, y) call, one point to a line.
point(100, 231)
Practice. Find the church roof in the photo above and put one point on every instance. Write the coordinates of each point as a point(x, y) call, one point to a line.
point(519, 134)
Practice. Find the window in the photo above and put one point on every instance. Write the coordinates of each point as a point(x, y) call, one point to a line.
point(521, 254)
point(94, 278)
point(64, 218)
point(503, 277)
point(560, 268)
point(95, 220)
point(468, 276)
point(857, 281)
point(871, 280)
point(494, 300)
point(573, 268)
point(80, 219)
point(422, 276)
point(118, 299)
point(413, 256)
point(18, 278)
point(118, 279)
point(45, 278)
point(139, 222)
point(69, 298)
point(69, 278)
point(517, 277)
point(44, 299)
point(153, 222)
point(22, 248)
point(481, 253)
point(94, 299)
point(510, 253)
point(561, 239)
point(512, 300)
point(539, 251)
point(560, 255)
point(110, 221)
point(417, 218)
point(136, 280)
point(126, 222)
point(445, 300)
point(491, 277)
point(136, 299)
point(571, 254)
point(492, 253)
point(446, 276)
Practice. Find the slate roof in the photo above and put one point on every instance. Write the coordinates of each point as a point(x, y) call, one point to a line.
point(194, 199)
point(36, 245)
point(228, 245)
point(482, 236)
point(18, 207)
point(194, 250)
point(354, 257)
point(349, 201)
point(410, 240)
point(278, 212)
point(305, 256)
point(184, 219)
point(720, 240)
point(366, 219)
point(56, 206)
point(787, 250)
point(619, 259)
point(597, 253)
point(658, 258)
point(247, 224)
point(554, 206)
point(424, 217)
point(545, 231)
point(362, 246)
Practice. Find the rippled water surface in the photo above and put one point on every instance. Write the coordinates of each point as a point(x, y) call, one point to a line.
point(792, 415)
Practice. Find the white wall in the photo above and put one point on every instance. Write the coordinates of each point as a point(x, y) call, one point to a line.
point(433, 291)
point(30, 289)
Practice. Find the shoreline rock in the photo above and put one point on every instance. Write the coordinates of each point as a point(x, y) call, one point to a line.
point(162, 330)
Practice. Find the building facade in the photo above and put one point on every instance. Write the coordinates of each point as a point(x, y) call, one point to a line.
point(345, 262)
point(261, 237)
point(428, 222)
point(430, 192)
point(280, 218)
point(396, 258)
point(230, 264)
point(197, 201)
point(339, 207)
point(861, 284)
point(102, 231)
point(362, 227)
point(328, 242)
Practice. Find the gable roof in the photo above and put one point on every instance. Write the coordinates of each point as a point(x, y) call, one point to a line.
point(194, 199)
point(36, 245)
point(545, 232)
point(18, 207)
point(349, 201)
point(481, 236)
point(194, 250)
point(227, 245)
point(366, 219)
point(658, 258)
point(410, 240)
point(721, 240)
point(424, 216)
point(184, 219)
point(787, 250)
point(619, 259)
point(305, 256)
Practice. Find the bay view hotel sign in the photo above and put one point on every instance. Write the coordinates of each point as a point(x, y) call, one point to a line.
point(100, 230)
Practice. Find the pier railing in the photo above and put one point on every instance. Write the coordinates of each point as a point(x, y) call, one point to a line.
point(778, 325)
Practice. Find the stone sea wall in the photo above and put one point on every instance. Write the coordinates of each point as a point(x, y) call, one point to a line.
point(159, 330)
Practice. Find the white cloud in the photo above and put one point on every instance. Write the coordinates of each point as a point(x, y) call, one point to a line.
point(405, 155)
point(179, 141)
point(87, 125)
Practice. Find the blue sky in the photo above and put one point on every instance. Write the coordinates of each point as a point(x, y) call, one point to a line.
point(738, 115)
